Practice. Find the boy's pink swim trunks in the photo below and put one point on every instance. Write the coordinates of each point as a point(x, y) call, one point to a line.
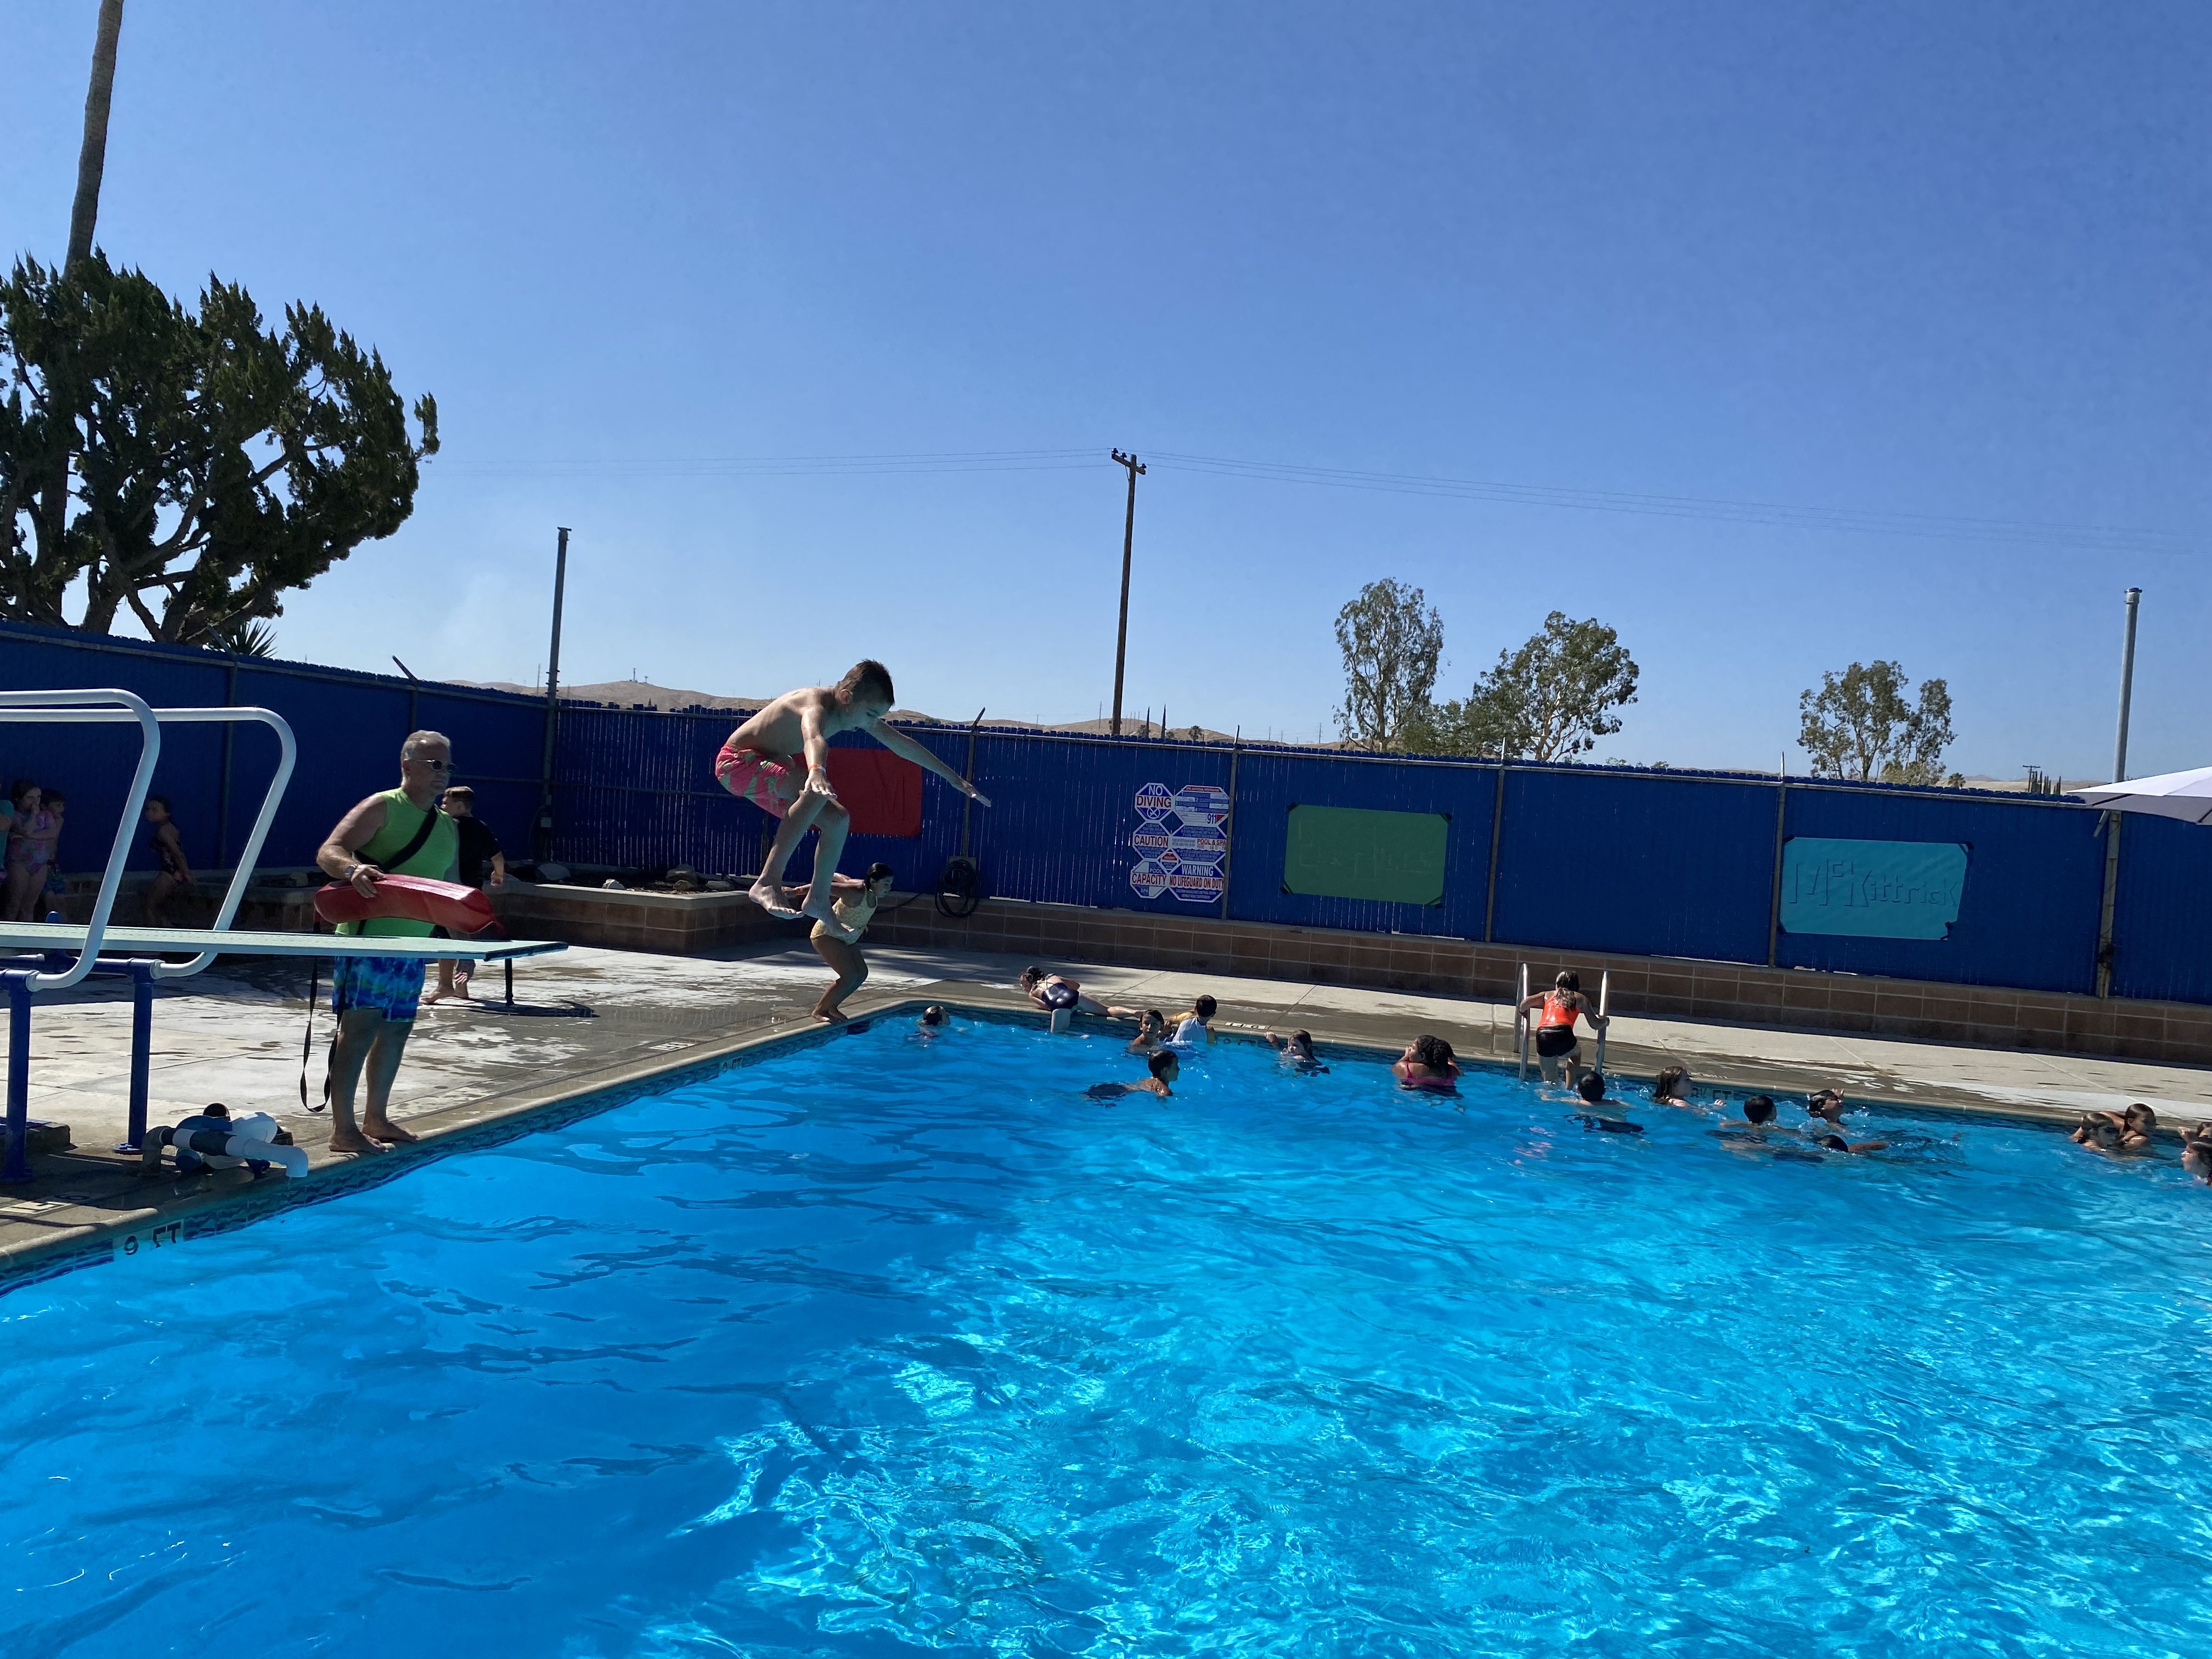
point(767, 782)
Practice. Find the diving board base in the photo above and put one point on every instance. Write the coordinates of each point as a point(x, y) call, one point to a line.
point(137, 952)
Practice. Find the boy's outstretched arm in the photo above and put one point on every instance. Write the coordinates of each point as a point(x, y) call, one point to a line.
point(815, 743)
point(899, 743)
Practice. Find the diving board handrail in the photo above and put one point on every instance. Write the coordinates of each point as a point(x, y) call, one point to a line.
point(72, 708)
point(86, 708)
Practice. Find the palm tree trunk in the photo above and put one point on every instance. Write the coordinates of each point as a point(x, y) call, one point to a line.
point(92, 159)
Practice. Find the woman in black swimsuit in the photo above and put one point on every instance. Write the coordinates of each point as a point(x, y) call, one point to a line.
point(168, 850)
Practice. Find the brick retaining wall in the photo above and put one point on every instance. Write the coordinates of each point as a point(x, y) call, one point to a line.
point(1989, 1015)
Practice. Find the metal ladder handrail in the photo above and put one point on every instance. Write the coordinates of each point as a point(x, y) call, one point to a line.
point(1521, 1024)
point(69, 709)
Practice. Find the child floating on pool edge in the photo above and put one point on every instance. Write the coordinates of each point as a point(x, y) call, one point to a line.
point(759, 763)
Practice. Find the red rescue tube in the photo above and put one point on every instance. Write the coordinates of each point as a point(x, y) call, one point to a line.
point(460, 910)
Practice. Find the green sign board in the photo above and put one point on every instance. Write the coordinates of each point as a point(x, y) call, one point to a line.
point(1872, 889)
point(1351, 852)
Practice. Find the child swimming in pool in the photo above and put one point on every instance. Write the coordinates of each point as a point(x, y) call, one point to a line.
point(1151, 1032)
point(2130, 1133)
point(934, 1019)
point(1427, 1063)
point(1164, 1067)
point(1672, 1087)
point(1836, 1143)
point(1828, 1106)
point(1198, 1023)
point(1592, 1090)
point(2197, 1153)
point(1757, 1118)
point(1296, 1051)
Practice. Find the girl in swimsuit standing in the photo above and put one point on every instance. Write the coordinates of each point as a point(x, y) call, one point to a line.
point(168, 850)
point(31, 838)
point(837, 938)
point(1557, 1049)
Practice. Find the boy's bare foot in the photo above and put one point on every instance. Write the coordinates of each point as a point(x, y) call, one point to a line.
point(429, 997)
point(772, 899)
point(820, 904)
point(383, 1129)
point(830, 1017)
point(354, 1142)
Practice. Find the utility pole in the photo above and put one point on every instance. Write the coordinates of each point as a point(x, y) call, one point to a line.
point(544, 839)
point(2126, 687)
point(2113, 819)
point(1129, 536)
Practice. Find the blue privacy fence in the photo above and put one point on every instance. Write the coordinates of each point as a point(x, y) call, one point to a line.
point(349, 728)
point(1563, 857)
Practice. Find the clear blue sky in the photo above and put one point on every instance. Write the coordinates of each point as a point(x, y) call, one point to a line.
point(1949, 260)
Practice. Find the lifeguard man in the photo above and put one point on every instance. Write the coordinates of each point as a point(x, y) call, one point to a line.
point(399, 832)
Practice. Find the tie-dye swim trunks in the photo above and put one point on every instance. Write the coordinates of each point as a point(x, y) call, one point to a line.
point(768, 781)
point(391, 985)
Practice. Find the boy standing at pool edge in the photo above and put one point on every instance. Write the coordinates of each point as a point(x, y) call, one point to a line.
point(760, 763)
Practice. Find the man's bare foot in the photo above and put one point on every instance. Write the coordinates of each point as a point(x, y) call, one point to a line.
point(435, 996)
point(354, 1142)
point(380, 1129)
point(772, 899)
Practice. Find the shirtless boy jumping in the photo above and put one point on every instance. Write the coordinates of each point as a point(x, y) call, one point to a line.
point(760, 763)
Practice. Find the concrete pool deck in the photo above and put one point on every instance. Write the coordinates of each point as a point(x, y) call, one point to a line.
point(592, 1020)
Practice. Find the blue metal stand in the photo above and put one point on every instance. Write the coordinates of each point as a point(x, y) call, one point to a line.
point(142, 1048)
point(18, 1165)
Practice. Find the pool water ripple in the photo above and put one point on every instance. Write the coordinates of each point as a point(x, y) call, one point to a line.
point(888, 1346)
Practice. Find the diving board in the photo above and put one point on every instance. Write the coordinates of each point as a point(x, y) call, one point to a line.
point(196, 942)
point(59, 955)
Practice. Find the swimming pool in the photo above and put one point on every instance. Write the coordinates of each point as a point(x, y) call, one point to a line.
point(883, 1346)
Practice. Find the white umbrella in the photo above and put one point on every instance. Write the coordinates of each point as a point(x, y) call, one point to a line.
point(2183, 795)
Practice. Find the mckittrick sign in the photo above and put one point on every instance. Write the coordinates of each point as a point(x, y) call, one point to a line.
point(1872, 889)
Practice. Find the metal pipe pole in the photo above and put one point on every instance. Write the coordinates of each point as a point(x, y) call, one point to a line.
point(2127, 688)
point(544, 839)
point(1521, 1025)
point(17, 1166)
point(1128, 539)
point(2112, 820)
point(1604, 1004)
point(142, 1051)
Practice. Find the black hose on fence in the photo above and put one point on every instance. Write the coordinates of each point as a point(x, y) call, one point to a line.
point(959, 889)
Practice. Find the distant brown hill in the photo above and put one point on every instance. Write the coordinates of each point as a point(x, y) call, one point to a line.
point(629, 694)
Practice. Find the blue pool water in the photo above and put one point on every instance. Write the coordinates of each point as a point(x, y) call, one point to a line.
point(882, 1346)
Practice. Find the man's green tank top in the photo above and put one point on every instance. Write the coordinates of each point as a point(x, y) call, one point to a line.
point(439, 858)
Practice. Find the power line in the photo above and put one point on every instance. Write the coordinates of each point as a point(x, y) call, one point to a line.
point(999, 460)
point(1574, 498)
point(1859, 520)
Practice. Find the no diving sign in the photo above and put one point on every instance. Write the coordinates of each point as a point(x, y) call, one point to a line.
point(1180, 841)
